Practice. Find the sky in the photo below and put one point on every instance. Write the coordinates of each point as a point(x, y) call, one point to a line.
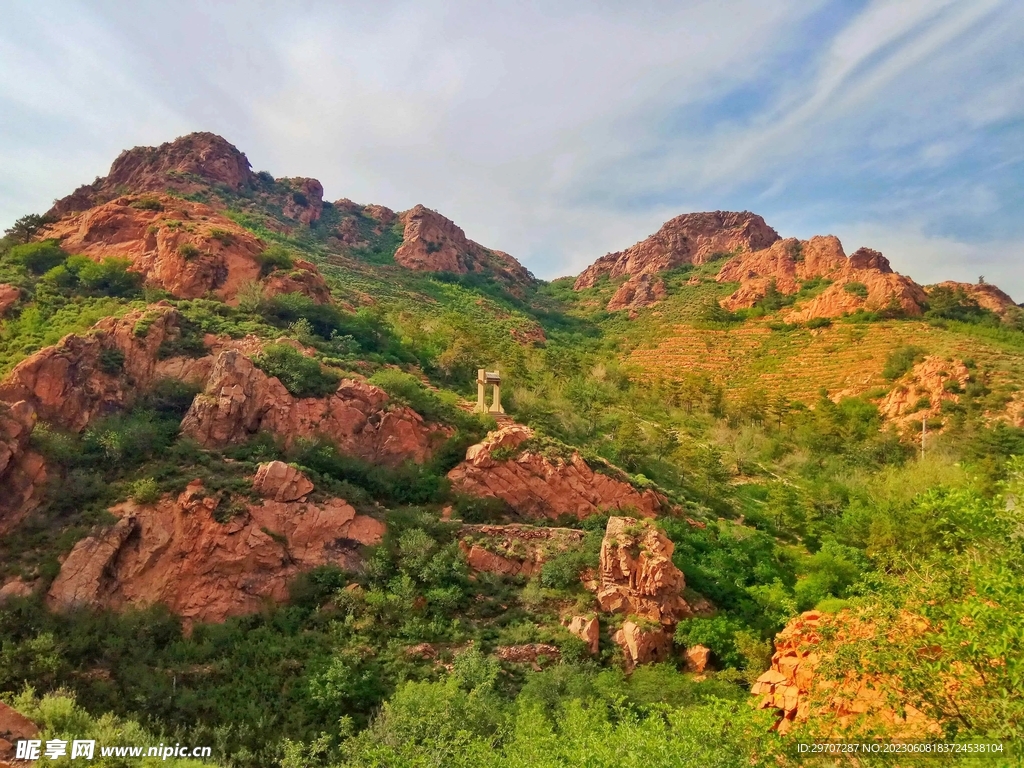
point(558, 131)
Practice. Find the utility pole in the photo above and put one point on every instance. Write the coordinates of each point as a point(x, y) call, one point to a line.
point(924, 434)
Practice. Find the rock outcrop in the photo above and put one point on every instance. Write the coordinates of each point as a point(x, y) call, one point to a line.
point(637, 576)
point(281, 482)
point(14, 727)
point(987, 295)
point(514, 550)
point(240, 400)
point(433, 243)
point(186, 165)
point(920, 393)
point(175, 552)
point(865, 280)
point(9, 296)
point(305, 204)
point(528, 653)
point(538, 486)
point(638, 292)
point(643, 644)
point(692, 238)
point(698, 657)
point(95, 373)
point(22, 471)
point(183, 247)
point(794, 686)
point(587, 629)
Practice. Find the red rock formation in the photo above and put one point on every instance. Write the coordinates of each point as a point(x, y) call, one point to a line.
point(794, 687)
point(697, 659)
point(637, 292)
point(692, 238)
point(281, 482)
point(174, 552)
point(587, 630)
point(241, 400)
point(185, 248)
point(931, 381)
point(188, 164)
point(16, 587)
point(988, 296)
point(14, 727)
point(538, 486)
point(76, 380)
point(433, 243)
point(22, 471)
point(9, 296)
point(513, 550)
point(643, 644)
point(303, 278)
point(306, 202)
point(637, 576)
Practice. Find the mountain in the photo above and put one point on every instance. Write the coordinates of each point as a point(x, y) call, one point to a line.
point(248, 500)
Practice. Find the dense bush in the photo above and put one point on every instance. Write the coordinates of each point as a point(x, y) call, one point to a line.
point(901, 360)
point(302, 376)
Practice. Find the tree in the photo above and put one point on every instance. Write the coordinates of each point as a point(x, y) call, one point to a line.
point(22, 230)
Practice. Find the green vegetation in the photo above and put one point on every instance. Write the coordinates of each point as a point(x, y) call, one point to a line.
point(302, 376)
point(856, 289)
point(901, 360)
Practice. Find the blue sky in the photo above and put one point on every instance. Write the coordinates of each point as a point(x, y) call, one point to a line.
point(558, 131)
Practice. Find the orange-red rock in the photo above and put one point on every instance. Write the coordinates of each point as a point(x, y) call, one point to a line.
point(538, 486)
point(514, 550)
point(14, 727)
point(639, 291)
point(692, 238)
point(174, 552)
point(186, 248)
point(188, 164)
point(22, 471)
point(643, 645)
point(9, 296)
point(241, 400)
point(586, 629)
point(920, 393)
point(306, 201)
point(528, 653)
point(794, 687)
point(281, 482)
point(697, 658)
point(987, 295)
point(16, 587)
point(637, 576)
point(435, 244)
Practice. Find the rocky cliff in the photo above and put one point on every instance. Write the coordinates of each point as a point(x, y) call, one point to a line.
point(692, 238)
point(175, 552)
point(241, 400)
point(432, 243)
point(22, 471)
point(186, 248)
point(514, 550)
point(987, 295)
point(860, 700)
point(920, 393)
point(537, 486)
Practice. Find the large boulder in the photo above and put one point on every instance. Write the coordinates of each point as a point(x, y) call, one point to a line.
point(175, 552)
point(643, 643)
point(540, 486)
point(587, 629)
point(14, 727)
point(9, 296)
point(240, 400)
point(22, 471)
point(281, 482)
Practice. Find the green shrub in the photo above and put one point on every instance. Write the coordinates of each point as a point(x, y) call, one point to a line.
point(147, 204)
point(274, 257)
point(222, 236)
point(901, 360)
point(717, 633)
point(818, 322)
point(111, 361)
point(302, 376)
point(189, 251)
point(145, 491)
point(38, 258)
point(856, 289)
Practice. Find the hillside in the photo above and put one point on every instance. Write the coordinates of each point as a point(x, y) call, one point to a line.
point(248, 503)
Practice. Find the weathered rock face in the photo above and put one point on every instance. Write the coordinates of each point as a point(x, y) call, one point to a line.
point(9, 296)
point(433, 243)
point(697, 658)
point(22, 471)
point(528, 653)
point(537, 486)
point(174, 552)
point(920, 393)
point(642, 644)
point(188, 164)
point(641, 291)
point(794, 687)
point(185, 248)
point(281, 482)
point(303, 278)
point(789, 262)
point(14, 727)
point(514, 550)
point(241, 400)
point(306, 202)
point(88, 375)
point(688, 239)
point(637, 576)
point(988, 296)
point(586, 629)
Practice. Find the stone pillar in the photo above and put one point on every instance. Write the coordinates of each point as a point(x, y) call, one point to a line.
point(481, 395)
point(496, 403)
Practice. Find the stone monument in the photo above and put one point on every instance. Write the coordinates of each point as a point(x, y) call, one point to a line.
point(483, 378)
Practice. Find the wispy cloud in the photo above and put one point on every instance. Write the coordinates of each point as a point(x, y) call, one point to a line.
point(557, 132)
